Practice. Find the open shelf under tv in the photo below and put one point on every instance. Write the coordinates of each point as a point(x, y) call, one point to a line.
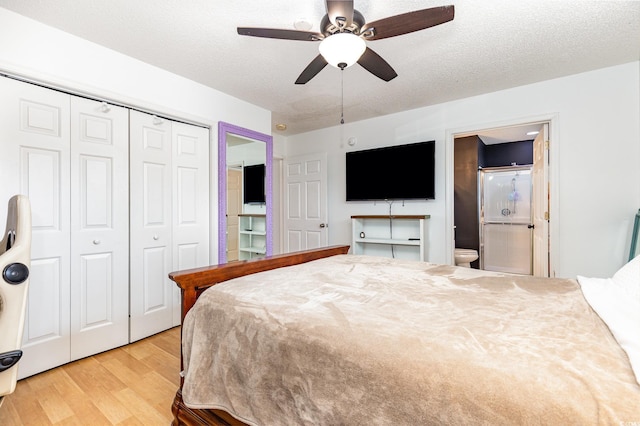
point(401, 236)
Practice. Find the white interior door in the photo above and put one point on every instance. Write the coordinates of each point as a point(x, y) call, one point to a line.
point(151, 291)
point(541, 203)
point(305, 199)
point(34, 161)
point(99, 227)
point(190, 202)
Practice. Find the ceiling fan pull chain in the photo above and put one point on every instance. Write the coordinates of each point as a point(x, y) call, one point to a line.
point(342, 95)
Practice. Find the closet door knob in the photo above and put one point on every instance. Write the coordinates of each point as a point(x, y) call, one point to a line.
point(155, 237)
point(96, 242)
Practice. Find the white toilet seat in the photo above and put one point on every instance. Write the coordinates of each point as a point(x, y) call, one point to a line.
point(465, 252)
point(464, 257)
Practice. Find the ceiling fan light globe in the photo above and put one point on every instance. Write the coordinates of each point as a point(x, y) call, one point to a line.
point(342, 48)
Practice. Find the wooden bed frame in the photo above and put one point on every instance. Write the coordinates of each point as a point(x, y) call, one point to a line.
point(193, 282)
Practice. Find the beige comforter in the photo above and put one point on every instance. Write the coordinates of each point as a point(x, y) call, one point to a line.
point(353, 340)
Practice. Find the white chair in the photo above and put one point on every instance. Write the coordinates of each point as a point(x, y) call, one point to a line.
point(15, 260)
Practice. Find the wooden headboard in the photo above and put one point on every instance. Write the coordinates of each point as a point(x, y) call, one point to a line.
point(192, 282)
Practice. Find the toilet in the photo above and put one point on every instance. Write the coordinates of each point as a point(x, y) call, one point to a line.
point(464, 257)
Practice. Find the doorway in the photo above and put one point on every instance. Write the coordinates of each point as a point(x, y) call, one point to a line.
point(510, 146)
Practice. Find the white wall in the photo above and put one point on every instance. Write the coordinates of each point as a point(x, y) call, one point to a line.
point(595, 162)
point(36, 51)
point(598, 136)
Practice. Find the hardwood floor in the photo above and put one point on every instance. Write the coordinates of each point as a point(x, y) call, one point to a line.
point(131, 385)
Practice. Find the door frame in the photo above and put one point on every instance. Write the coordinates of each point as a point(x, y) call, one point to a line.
point(554, 199)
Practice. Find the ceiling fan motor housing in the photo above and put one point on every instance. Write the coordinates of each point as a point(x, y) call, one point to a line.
point(328, 28)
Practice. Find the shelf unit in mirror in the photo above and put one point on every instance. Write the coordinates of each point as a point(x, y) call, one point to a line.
point(252, 236)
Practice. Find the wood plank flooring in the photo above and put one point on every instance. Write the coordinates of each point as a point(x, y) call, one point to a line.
point(131, 385)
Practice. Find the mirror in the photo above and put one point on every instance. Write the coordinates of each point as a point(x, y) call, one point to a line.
point(250, 222)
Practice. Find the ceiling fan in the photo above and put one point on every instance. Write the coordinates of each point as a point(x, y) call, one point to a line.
point(344, 31)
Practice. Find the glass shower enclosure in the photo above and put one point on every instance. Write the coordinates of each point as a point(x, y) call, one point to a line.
point(506, 229)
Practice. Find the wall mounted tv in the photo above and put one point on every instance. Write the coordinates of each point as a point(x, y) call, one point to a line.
point(401, 172)
point(253, 184)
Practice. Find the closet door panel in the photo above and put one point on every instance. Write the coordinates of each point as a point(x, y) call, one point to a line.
point(34, 161)
point(96, 292)
point(155, 196)
point(154, 265)
point(48, 291)
point(151, 290)
point(100, 227)
point(41, 118)
point(48, 304)
point(190, 202)
point(41, 179)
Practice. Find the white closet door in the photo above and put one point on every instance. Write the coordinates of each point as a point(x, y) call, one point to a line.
point(34, 160)
point(190, 202)
point(151, 291)
point(99, 227)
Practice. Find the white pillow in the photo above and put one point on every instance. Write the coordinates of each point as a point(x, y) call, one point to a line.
point(628, 277)
point(617, 301)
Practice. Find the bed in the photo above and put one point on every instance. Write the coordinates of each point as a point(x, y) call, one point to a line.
point(325, 338)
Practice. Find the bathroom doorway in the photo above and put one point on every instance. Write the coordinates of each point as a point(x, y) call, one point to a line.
point(516, 147)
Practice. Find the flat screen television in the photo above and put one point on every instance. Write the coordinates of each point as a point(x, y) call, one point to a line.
point(401, 172)
point(253, 184)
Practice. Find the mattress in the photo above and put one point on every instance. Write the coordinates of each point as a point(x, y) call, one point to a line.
point(368, 340)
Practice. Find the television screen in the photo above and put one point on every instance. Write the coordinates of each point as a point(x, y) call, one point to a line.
point(402, 172)
point(253, 184)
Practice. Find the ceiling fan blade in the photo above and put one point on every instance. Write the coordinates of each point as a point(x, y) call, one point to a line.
point(280, 34)
point(312, 69)
point(407, 22)
point(340, 12)
point(377, 66)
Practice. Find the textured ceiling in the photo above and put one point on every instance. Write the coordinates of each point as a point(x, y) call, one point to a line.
point(490, 45)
